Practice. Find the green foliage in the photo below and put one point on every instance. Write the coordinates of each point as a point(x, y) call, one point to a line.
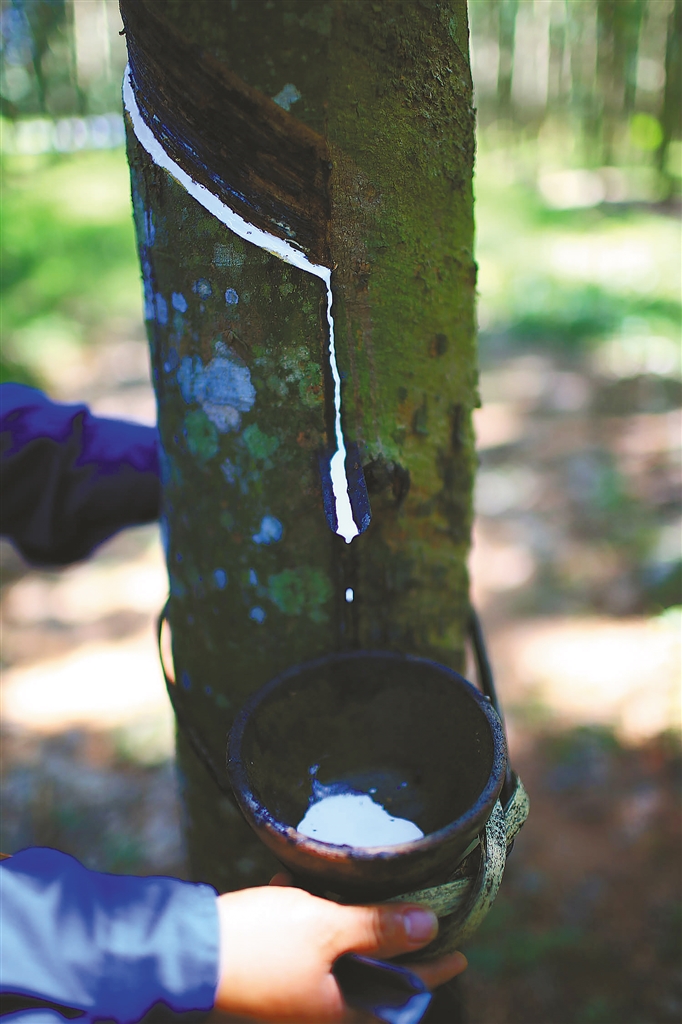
point(16, 372)
point(576, 745)
point(558, 313)
point(68, 258)
point(645, 132)
point(504, 943)
point(597, 1010)
point(567, 279)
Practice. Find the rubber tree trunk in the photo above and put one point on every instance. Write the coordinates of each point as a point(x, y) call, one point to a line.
point(345, 128)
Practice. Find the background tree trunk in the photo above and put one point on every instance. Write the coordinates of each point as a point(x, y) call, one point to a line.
point(381, 123)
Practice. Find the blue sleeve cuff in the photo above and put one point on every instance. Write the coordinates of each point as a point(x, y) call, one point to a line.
point(28, 414)
point(110, 945)
point(70, 479)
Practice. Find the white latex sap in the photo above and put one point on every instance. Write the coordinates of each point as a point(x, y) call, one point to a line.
point(354, 819)
point(284, 250)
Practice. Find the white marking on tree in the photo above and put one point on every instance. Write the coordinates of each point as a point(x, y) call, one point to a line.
point(285, 251)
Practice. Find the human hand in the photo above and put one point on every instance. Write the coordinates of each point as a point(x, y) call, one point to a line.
point(278, 945)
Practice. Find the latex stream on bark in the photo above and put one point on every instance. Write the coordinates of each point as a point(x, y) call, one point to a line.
point(346, 526)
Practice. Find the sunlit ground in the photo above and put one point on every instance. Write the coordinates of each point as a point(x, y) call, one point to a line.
point(575, 573)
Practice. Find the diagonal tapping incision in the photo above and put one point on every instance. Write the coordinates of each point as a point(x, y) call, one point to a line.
point(258, 231)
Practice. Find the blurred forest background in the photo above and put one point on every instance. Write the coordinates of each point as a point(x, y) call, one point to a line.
point(576, 567)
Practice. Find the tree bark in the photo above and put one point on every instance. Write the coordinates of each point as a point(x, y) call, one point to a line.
point(364, 161)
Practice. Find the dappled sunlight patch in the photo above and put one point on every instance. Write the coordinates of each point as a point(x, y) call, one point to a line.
point(636, 352)
point(100, 685)
point(624, 673)
point(497, 565)
point(87, 592)
point(496, 424)
point(646, 434)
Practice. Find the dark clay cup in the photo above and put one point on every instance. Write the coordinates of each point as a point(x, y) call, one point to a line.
point(415, 732)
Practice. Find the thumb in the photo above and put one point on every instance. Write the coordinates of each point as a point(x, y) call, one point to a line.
point(384, 931)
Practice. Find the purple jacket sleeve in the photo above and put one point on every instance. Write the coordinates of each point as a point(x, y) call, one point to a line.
point(110, 946)
point(68, 479)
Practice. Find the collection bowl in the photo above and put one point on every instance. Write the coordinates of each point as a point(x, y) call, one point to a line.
point(424, 741)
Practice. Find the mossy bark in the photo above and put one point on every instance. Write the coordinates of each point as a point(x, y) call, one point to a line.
point(258, 580)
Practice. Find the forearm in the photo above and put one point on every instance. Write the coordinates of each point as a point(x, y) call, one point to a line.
point(109, 945)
